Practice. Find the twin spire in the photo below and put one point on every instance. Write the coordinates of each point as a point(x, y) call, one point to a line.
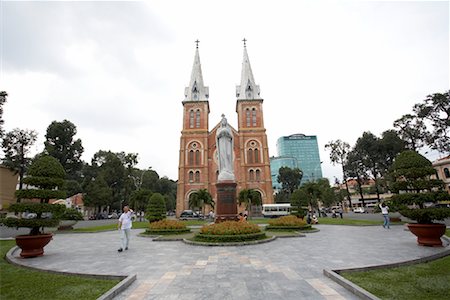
point(197, 91)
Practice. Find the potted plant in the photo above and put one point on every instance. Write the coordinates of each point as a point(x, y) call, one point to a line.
point(411, 179)
point(44, 178)
point(69, 218)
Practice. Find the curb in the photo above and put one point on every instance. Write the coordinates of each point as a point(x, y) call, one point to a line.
point(125, 281)
point(310, 231)
point(362, 293)
point(230, 244)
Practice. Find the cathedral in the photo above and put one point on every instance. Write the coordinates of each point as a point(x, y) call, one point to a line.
point(198, 166)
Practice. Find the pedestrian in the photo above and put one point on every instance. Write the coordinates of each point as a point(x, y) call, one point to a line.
point(385, 212)
point(340, 211)
point(125, 224)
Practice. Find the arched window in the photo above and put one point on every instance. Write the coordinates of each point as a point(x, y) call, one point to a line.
point(197, 176)
point(446, 173)
point(258, 175)
point(217, 175)
point(254, 116)
point(250, 156)
point(191, 157)
point(247, 116)
point(251, 175)
point(256, 155)
point(197, 157)
point(191, 176)
point(191, 119)
point(197, 119)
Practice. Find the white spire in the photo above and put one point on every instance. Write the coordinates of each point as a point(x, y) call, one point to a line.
point(248, 90)
point(196, 91)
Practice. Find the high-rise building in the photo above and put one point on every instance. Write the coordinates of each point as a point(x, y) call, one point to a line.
point(305, 150)
point(198, 167)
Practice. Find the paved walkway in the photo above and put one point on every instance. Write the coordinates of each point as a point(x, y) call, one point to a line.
point(289, 268)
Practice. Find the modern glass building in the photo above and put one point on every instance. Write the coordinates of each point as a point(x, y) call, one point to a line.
point(276, 163)
point(305, 150)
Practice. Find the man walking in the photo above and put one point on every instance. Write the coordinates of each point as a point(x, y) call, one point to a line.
point(385, 211)
point(125, 224)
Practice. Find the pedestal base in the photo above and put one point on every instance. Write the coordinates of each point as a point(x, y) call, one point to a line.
point(226, 206)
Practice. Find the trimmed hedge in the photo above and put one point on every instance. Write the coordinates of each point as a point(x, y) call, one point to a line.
point(167, 227)
point(230, 228)
point(288, 228)
point(40, 194)
point(31, 223)
point(166, 231)
point(72, 214)
point(213, 238)
point(37, 208)
point(287, 221)
point(426, 215)
point(156, 209)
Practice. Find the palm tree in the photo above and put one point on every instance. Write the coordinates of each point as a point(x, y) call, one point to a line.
point(249, 197)
point(200, 198)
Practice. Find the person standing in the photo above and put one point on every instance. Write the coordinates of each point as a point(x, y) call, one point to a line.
point(125, 224)
point(385, 212)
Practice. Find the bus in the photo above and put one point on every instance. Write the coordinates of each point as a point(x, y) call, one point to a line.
point(276, 210)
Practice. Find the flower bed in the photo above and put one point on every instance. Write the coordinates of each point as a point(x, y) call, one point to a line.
point(230, 231)
point(288, 223)
point(167, 227)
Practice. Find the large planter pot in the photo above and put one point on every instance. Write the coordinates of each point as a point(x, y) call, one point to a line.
point(33, 245)
point(66, 224)
point(428, 234)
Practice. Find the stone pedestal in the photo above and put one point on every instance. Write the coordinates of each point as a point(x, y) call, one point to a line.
point(226, 206)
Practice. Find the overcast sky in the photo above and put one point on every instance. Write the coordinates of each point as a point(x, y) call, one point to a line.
point(118, 70)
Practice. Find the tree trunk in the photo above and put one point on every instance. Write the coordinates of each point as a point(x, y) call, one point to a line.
point(346, 187)
point(360, 190)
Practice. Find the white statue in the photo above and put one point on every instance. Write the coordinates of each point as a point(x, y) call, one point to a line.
point(224, 141)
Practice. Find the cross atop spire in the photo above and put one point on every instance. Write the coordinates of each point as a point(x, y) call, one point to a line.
point(248, 90)
point(196, 91)
point(196, 43)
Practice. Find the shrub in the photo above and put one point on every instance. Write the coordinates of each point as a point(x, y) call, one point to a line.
point(72, 214)
point(156, 209)
point(230, 228)
point(167, 227)
point(426, 215)
point(214, 238)
point(287, 221)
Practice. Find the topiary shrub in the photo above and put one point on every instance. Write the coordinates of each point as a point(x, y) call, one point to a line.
point(426, 215)
point(72, 214)
point(230, 231)
point(46, 176)
point(156, 209)
point(167, 227)
point(288, 223)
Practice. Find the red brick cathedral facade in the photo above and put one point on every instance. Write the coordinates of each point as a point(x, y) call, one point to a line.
point(198, 166)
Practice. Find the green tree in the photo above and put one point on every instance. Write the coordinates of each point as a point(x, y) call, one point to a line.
point(249, 197)
point(73, 187)
point(200, 198)
point(60, 143)
point(299, 201)
point(281, 197)
point(355, 168)
point(338, 155)
point(3, 96)
point(16, 146)
point(156, 209)
point(139, 199)
point(289, 178)
point(412, 130)
point(97, 193)
point(436, 109)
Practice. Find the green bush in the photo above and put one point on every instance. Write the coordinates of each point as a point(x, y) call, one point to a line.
point(156, 209)
point(287, 221)
point(166, 231)
point(213, 238)
point(230, 228)
point(167, 227)
point(72, 214)
point(426, 215)
point(288, 228)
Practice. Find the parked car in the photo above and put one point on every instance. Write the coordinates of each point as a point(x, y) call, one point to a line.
point(359, 210)
point(190, 215)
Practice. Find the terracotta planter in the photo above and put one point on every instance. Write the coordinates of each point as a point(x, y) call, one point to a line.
point(428, 234)
point(33, 245)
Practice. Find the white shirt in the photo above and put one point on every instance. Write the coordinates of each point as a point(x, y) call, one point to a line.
point(125, 219)
point(384, 210)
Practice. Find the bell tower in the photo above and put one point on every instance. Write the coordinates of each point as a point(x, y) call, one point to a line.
point(254, 151)
point(193, 156)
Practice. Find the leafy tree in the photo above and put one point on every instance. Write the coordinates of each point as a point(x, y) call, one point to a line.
point(281, 197)
point(97, 193)
point(289, 178)
point(390, 146)
point(338, 155)
point(436, 109)
point(156, 209)
point(139, 199)
point(412, 130)
point(60, 144)
point(200, 198)
point(16, 146)
point(249, 197)
point(72, 187)
point(356, 169)
point(299, 200)
point(3, 96)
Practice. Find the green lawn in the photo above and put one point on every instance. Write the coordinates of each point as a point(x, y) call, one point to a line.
point(136, 225)
point(344, 221)
point(428, 281)
point(21, 283)
point(447, 232)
